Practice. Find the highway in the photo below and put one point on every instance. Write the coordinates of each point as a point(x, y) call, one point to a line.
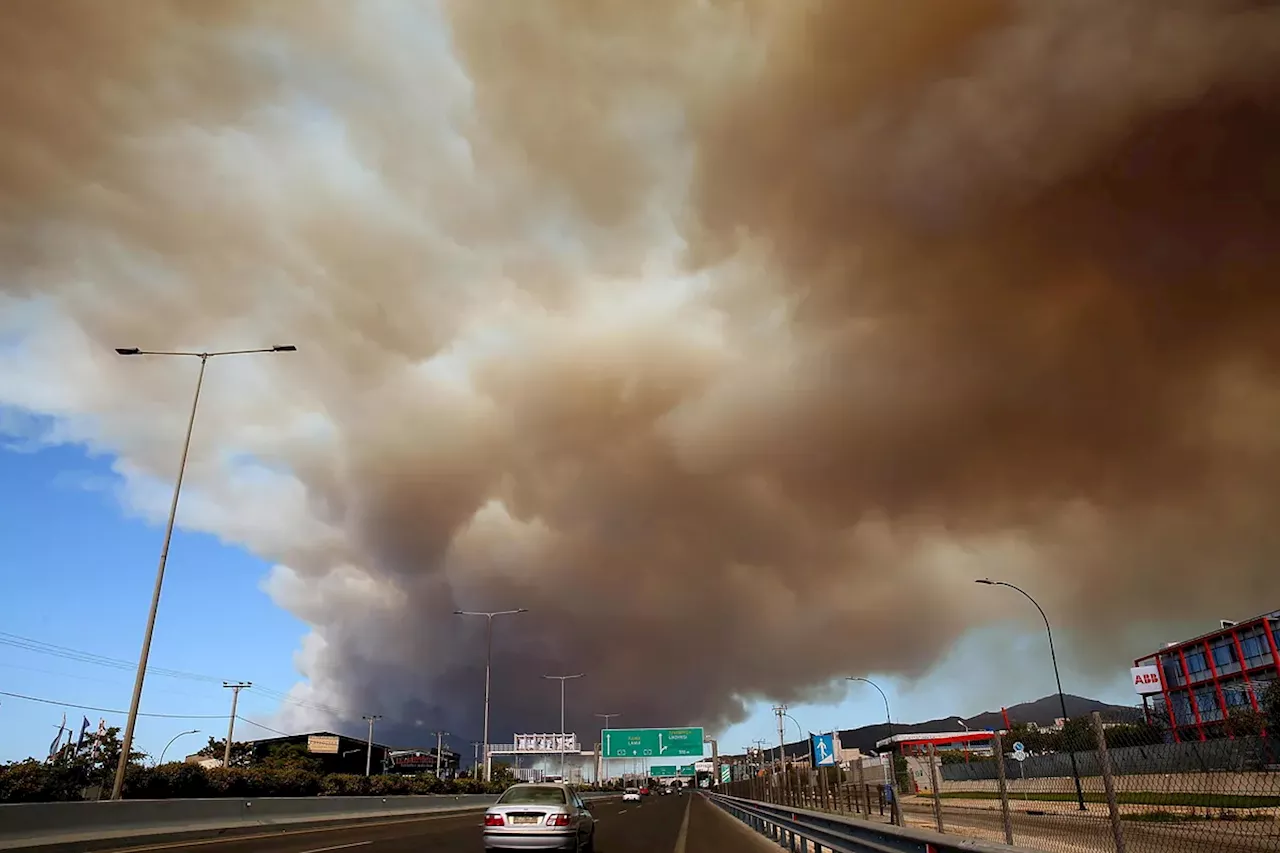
point(672, 824)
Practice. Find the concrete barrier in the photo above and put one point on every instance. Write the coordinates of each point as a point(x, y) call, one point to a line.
point(25, 825)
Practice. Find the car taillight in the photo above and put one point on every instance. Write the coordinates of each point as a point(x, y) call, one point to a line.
point(494, 820)
point(558, 820)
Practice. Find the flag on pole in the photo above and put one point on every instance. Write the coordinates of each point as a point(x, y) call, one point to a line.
point(84, 733)
point(57, 740)
point(97, 738)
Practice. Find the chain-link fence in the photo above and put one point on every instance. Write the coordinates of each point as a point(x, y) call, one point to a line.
point(856, 791)
point(1109, 785)
point(1122, 784)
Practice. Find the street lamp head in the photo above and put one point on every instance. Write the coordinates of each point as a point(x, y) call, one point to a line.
point(286, 348)
point(128, 351)
point(985, 581)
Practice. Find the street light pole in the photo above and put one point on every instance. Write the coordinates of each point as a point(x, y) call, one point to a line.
point(562, 679)
point(891, 771)
point(488, 662)
point(368, 757)
point(170, 743)
point(604, 763)
point(126, 742)
point(1062, 699)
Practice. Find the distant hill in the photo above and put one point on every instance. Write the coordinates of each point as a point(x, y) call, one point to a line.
point(1042, 712)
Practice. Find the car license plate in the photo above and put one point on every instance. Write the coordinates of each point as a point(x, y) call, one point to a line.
point(523, 821)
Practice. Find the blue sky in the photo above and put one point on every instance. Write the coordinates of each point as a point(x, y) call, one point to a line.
point(78, 573)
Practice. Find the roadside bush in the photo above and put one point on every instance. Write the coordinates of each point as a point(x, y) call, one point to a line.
point(39, 782)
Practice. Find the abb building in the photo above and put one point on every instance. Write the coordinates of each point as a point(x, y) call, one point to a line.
point(1194, 685)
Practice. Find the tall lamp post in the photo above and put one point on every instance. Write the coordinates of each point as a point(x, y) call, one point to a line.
point(488, 662)
point(891, 771)
point(170, 743)
point(126, 743)
point(604, 764)
point(562, 679)
point(1062, 699)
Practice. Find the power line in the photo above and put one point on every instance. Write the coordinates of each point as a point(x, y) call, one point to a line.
point(111, 710)
point(261, 726)
point(67, 653)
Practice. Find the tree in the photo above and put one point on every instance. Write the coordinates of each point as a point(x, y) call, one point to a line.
point(241, 752)
point(1244, 722)
point(292, 756)
point(1035, 741)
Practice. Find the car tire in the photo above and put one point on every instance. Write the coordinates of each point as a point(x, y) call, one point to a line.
point(590, 846)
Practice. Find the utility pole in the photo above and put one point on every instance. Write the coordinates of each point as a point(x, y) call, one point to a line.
point(781, 710)
point(235, 688)
point(368, 758)
point(440, 736)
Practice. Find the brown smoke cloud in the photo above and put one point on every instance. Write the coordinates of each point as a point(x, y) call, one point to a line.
point(731, 339)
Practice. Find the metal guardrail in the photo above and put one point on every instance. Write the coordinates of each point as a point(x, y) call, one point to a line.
point(814, 832)
point(33, 824)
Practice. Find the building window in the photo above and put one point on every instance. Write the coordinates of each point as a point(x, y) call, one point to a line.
point(1254, 647)
point(1206, 703)
point(1182, 710)
point(1173, 672)
point(1224, 654)
point(1196, 663)
point(1235, 695)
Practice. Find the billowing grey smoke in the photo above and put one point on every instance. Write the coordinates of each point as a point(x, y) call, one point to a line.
point(723, 337)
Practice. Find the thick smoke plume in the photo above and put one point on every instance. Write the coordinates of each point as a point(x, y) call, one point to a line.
point(731, 339)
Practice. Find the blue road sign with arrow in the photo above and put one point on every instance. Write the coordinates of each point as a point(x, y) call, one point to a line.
point(824, 749)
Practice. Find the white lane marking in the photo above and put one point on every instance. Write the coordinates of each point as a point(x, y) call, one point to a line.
point(624, 811)
point(286, 833)
point(338, 847)
point(684, 828)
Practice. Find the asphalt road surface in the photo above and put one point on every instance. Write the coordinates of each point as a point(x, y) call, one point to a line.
point(671, 824)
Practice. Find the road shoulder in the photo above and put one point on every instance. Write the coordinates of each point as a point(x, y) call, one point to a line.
point(712, 830)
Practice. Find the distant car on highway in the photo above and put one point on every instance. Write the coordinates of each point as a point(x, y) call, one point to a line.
point(644, 792)
point(631, 795)
point(540, 817)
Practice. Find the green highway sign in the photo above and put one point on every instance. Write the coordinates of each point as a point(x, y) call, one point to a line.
point(658, 743)
point(688, 770)
point(660, 770)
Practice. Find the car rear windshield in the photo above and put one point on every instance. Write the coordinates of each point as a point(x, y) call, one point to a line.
point(633, 790)
point(533, 795)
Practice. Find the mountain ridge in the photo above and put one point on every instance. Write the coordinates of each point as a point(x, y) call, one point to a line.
point(1041, 712)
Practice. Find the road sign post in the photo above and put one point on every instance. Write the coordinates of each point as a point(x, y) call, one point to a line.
point(1020, 755)
point(823, 749)
point(656, 743)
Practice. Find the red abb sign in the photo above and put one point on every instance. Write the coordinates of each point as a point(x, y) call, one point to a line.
point(1146, 679)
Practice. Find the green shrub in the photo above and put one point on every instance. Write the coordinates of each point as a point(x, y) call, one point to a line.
point(33, 781)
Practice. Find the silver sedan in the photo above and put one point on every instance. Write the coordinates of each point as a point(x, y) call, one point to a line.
point(539, 817)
